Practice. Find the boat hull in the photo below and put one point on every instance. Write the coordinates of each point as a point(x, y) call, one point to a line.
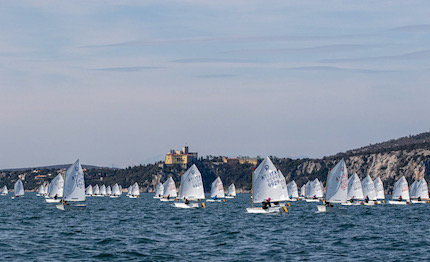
point(189, 205)
point(79, 206)
point(230, 197)
point(167, 200)
point(313, 200)
point(419, 202)
point(326, 209)
point(215, 200)
point(52, 200)
point(259, 210)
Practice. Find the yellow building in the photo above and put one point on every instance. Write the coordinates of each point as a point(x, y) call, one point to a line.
point(240, 160)
point(180, 157)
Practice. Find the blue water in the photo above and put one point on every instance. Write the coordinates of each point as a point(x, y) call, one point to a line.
point(146, 229)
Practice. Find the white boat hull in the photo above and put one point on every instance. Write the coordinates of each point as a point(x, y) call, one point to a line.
point(71, 206)
point(230, 197)
point(419, 202)
point(51, 200)
point(166, 200)
point(259, 210)
point(326, 209)
point(215, 200)
point(355, 203)
point(313, 200)
point(114, 196)
point(292, 200)
point(396, 202)
point(189, 205)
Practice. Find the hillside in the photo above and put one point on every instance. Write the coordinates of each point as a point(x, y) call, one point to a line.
point(408, 156)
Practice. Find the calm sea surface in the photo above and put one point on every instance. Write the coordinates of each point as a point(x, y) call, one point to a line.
point(146, 229)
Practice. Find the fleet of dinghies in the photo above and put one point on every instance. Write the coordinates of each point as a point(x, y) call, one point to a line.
point(270, 192)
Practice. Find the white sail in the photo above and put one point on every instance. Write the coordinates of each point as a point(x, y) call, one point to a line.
point(368, 188)
point(379, 187)
point(116, 190)
point(303, 191)
point(401, 189)
point(19, 188)
point(292, 190)
point(108, 190)
point(96, 190)
point(129, 190)
point(413, 190)
point(135, 189)
point(231, 190)
point(315, 189)
point(355, 190)
point(89, 190)
point(267, 183)
point(170, 188)
point(159, 190)
point(422, 189)
point(74, 183)
point(308, 189)
point(57, 187)
point(192, 184)
point(283, 184)
point(217, 188)
point(4, 191)
point(103, 190)
point(337, 183)
point(41, 190)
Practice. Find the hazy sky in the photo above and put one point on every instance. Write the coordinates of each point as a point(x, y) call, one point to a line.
point(122, 82)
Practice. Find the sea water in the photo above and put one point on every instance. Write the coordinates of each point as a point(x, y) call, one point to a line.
point(146, 229)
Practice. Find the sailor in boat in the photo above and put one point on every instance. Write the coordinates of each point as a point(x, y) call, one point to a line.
point(400, 198)
point(266, 204)
point(352, 199)
point(366, 199)
point(186, 201)
point(64, 202)
point(315, 197)
point(328, 204)
point(419, 198)
point(56, 196)
point(168, 197)
point(215, 197)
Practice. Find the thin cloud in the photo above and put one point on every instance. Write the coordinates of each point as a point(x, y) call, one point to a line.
point(315, 49)
point(127, 69)
point(413, 28)
point(216, 76)
point(223, 39)
point(418, 55)
point(339, 69)
point(210, 60)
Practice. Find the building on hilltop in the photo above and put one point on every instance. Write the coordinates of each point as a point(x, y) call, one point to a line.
point(240, 160)
point(180, 157)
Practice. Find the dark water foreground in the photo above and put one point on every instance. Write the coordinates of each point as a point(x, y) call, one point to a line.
point(146, 229)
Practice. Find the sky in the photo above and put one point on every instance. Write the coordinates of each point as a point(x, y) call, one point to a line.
point(120, 83)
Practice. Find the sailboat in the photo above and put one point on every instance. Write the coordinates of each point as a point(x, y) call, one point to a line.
point(379, 187)
point(217, 191)
point(4, 191)
point(74, 188)
point(400, 193)
point(308, 189)
point(191, 189)
point(159, 191)
point(293, 193)
point(302, 192)
point(369, 191)
point(231, 193)
point(41, 191)
point(56, 191)
point(337, 187)
point(267, 187)
point(116, 192)
point(103, 190)
point(355, 191)
point(315, 191)
point(135, 192)
point(89, 191)
point(19, 189)
point(97, 191)
point(420, 195)
point(108, 191)
point(169, 190)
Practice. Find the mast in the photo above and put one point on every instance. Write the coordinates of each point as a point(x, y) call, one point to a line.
point(252, 190)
